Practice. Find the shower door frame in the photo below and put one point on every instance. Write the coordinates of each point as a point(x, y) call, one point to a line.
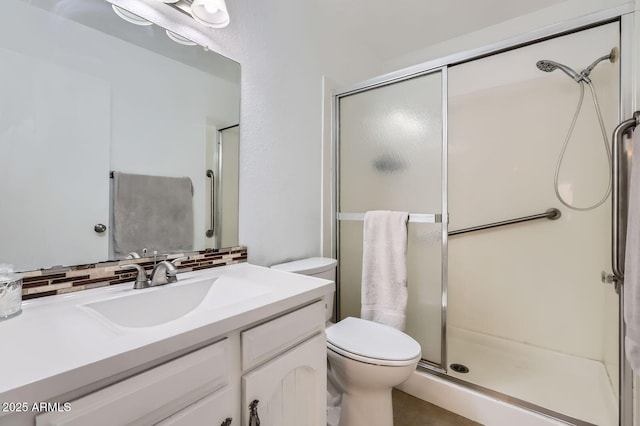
point(217, 196)
point(624, 15)
point(444, 216)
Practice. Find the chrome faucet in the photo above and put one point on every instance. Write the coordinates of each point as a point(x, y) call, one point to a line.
point(165, 272)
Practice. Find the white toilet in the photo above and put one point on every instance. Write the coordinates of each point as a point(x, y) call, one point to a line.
point(366, 359)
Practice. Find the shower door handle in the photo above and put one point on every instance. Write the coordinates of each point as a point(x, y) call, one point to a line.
point(619, 199)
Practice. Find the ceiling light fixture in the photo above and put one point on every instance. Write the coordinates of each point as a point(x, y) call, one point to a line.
point(211, 13)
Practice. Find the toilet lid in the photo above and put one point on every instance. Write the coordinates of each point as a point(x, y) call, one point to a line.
point(308, 266)
point(372, 342)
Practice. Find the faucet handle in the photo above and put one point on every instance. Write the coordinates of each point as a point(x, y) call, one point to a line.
point(172, 272)
point(141, 278)
point(164, 273)
point(133, 255)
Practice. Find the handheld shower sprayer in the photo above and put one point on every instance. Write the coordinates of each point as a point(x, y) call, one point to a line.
point(581, 78)
point(549, 66)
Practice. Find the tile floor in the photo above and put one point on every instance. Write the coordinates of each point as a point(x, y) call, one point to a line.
point(411, 411)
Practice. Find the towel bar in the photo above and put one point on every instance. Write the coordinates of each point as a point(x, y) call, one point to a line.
point(551, 214)
point(413, 217)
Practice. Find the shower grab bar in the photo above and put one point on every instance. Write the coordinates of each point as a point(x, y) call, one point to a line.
point(619, 200)
point(413, 217)
point(551, 214)
point(209, 232)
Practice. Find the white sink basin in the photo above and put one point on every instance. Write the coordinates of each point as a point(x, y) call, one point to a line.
point(162, 304)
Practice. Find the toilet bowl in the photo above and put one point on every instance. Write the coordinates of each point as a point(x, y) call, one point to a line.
point(366, 359)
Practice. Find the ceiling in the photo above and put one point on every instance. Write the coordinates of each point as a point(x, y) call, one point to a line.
point(398, 27)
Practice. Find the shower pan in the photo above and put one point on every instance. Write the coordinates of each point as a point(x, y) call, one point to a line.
point(512, 308)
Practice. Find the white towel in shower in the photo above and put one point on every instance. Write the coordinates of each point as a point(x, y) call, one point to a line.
point(632, 262)
point(384, 268)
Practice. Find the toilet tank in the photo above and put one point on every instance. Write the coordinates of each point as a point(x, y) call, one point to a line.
point(320, 267)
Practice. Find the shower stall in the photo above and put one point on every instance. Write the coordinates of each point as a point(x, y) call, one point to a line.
point(482, 151)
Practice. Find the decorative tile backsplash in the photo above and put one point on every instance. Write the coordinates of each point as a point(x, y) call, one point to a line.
point(48, 282)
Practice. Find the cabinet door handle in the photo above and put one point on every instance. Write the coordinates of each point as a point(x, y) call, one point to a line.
point(227, 422)
point(254, 420)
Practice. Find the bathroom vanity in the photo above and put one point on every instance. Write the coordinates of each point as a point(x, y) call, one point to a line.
point(211, 349)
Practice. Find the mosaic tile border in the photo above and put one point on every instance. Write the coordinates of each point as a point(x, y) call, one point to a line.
point(49, 282)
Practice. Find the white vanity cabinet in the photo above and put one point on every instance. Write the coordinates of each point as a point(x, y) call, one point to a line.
point(280, 363)
point(256, 334)
point(288, 388)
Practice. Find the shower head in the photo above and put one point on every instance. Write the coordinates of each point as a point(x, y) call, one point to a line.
point(549, 66)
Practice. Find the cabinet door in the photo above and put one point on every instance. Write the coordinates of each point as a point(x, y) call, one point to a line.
point(290, 390)
point(217, 409)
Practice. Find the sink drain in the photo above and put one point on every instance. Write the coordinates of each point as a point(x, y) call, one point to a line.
point(459, 368)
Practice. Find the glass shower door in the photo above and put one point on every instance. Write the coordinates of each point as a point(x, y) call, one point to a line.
point(391, 157)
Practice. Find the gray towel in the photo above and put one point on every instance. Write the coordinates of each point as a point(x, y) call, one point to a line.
point(152, 212)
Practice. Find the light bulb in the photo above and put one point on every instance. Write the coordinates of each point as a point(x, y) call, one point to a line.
point(211, 13)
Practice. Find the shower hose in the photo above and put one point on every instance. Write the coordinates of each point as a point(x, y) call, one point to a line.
point(605, 141)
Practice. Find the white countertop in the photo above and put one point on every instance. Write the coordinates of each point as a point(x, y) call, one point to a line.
point(57, 345)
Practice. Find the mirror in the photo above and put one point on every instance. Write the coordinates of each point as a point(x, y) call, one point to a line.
point(84, 93)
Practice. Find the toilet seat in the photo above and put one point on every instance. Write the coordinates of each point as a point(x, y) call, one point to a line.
point(373, 343)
